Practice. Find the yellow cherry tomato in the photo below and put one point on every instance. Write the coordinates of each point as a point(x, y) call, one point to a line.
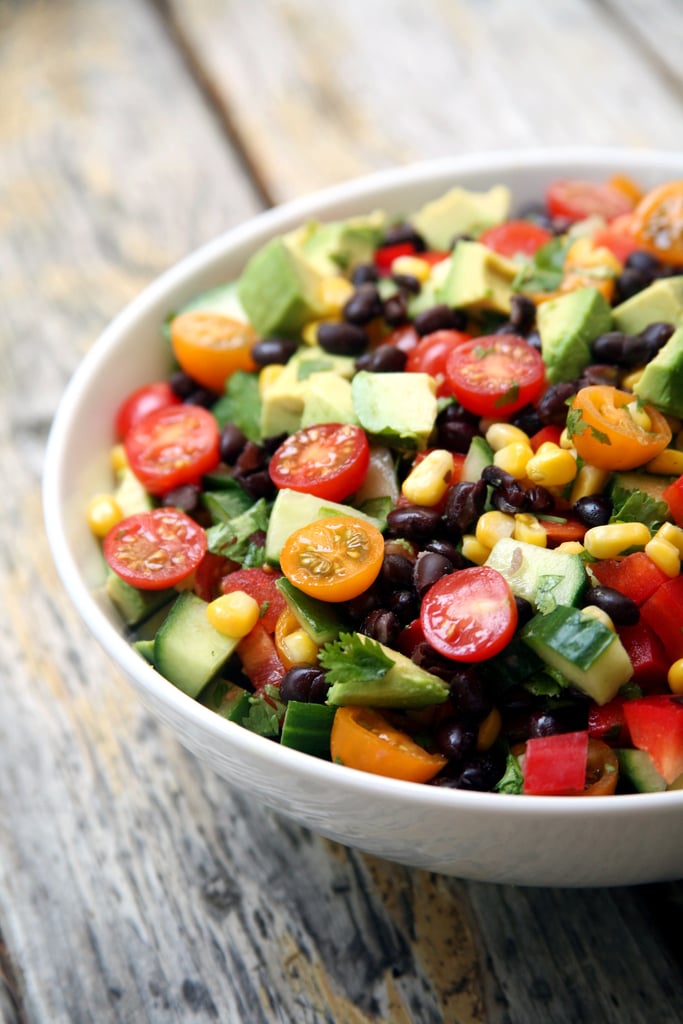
point(611, 431)
point(210, 346)
point(334, 559)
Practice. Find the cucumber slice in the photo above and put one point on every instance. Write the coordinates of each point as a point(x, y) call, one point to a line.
point(188, 651)
point(227, 699)
point(543, 576)
point(318, 618)
point(307, 727)
point(638, 767)
point(585, 651)
point(133, 605)
point(145, 649)
point(479, 456)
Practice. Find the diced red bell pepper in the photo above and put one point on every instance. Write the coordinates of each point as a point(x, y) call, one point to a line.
point(568, 529)
point(656, 725)
point(635, 575)
point(608, 723)
point(385, 256)
point(556, 765)
point(648, 657)
point(663, 613)
point(551, 433)
point(673, 496)
point(260, 661)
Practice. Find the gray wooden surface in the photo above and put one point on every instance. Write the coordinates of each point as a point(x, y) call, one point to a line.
point(134, 885)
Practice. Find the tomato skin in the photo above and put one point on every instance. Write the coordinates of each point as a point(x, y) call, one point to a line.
point(620, 243)
point(658, 222)
point(606, 435)
point(335, 558)
point(156, 549)
point(515, 238)
point(495, 375)
point(430, 355)
point(363, 739)
point(261, 585)
point(141, 402)
point(260, 661)
point(386, 255)
point(469, 615)
point(173, 446)
point(575, 200)
point(211, 346)
point(329, 460)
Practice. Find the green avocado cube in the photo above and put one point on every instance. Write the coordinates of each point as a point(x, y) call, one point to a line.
point(328, 400)
point(478, 279)
point(568, 326)
point(662, 301)
point(397, 408)
point(280, 290)
point(461, 212)
point(661, 383)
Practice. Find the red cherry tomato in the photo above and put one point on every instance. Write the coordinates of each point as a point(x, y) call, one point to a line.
point(495, 375)
point(173, 446)
point(469, 615)
point(619, 242)
point(154, 550)
point(515, 237)
point(431, 354)
point(329, 460)
point(404, 338)
point(576, 200)
point(141, 403)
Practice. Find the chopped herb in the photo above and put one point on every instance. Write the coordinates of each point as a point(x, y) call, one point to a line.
point(233, 537)
point(265, 713)
point(241, 404)
point(636, 506)
point(511, 395)
point(512, 780)
point(545, 599)
point(577, 425)
point(353, 658)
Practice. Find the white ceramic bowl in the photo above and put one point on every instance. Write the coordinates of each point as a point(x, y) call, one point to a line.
point(520, 840)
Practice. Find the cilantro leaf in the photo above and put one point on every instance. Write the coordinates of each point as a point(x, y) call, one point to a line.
point(577, 425)
point(544, 272)
point(265, 713)
point(354, 658)
point(545, 599)
point(227, 503)
point(636, 506)
point(512, 780)
point(233, 537)
point(547, 683)
point(241, 404)
point(511, 395)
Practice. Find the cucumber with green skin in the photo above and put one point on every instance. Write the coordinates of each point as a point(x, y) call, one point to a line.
point(638, 767)
point(307, 727)
point(542, 576)
point(586, 652)
point(187, 648)
point(319, 618)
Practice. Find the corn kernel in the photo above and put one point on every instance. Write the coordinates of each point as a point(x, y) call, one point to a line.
point(551, 466)
point(233, 614)
point(413, 266)
point(599, 615)
point(570, 547)
point(566, 441)
point(498, 435)
point(335, 292)
point(665, 555)
point(529, 530)
point(489, 730)
point(268, 376)
point(427, 483)
point(589, 480)
point(118, 458)
point(639, 415)
point(629, 380)
point(492, 526)
point(667, 463)
point(615, 538)
point(674, 534)
point(675, 677)
point(513, 458)
point(473, 550)
point(103, 512)
point(298, 648)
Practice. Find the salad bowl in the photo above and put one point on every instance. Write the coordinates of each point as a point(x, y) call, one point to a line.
point(523, 840)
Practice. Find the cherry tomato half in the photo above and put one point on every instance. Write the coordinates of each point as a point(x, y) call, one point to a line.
point(173, 446)
point(469, 615)
point(329, 460)
point(605, 433)
point(211, 346)
point(141, 403)
point(495, 375)
point(658, 222)
point(363, 739)
point(431, 354)
point(156, 549)
point(335, 558)
point(515, 237)
point(576, 200)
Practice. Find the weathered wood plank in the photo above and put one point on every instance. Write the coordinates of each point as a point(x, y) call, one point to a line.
point(346, 88)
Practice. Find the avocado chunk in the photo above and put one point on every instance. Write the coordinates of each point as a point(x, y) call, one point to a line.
point(294, 509)
point(365, 672)
point(133, 605)
point(460, 212)
point(338, 245)
point(280, 290)
point(478, 279)
point(662, 301)
point(328, 400)
point(224, 300)
point(568, 326)
point(396, 408)
point(661, 382)
point(283, 399)
point(130, 495)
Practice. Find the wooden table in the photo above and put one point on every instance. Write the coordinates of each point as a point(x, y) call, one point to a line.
point(134, 885)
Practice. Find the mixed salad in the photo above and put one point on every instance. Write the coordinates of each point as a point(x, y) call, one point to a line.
point(411, 498)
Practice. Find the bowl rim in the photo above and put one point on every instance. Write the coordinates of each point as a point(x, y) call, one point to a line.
point(276, 758)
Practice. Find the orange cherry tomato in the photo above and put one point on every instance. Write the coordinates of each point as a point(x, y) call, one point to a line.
point(657, 222)
point(287, 623)
point(606, 434)
point(211, 346)
point(362, 738)
point(602, 769)
point(335, 558)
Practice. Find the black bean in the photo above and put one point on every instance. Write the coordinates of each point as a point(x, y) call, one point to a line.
point(629, 282)
point(342, 339)
point(358, 608)
point(439, 318)
point(364, 273)
point(429, 567)
point(456, 435)
point(448, 550)
point(622, 349)
point(258, 484)
point(202, 396)
point(416, 522)
point(186, 497)
point(455, 739)
point(527, 419)
point(522, 313)
point(464, 504)
point(620, 608)
point(401, 234)
point(533, 338)
point(424, 656)
point(479, 773)
point(407, 283)
point(304, 683)
point(272, 443)
point(273, 350)
point(468, 692)
point(396, 310)
point(364, 305)
point(552, 407)
point(232, 442)
point(643, 261)
point(510, 498)
point(405, 605)
point(182, 385)
point(543, 723)
point(383, 359)
point(539, 499)
point(525, 611)
point(598, 373)
point(251, 458)
point(397, 570)
point(593, 510)
point(655, 336)
point(383, 626)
